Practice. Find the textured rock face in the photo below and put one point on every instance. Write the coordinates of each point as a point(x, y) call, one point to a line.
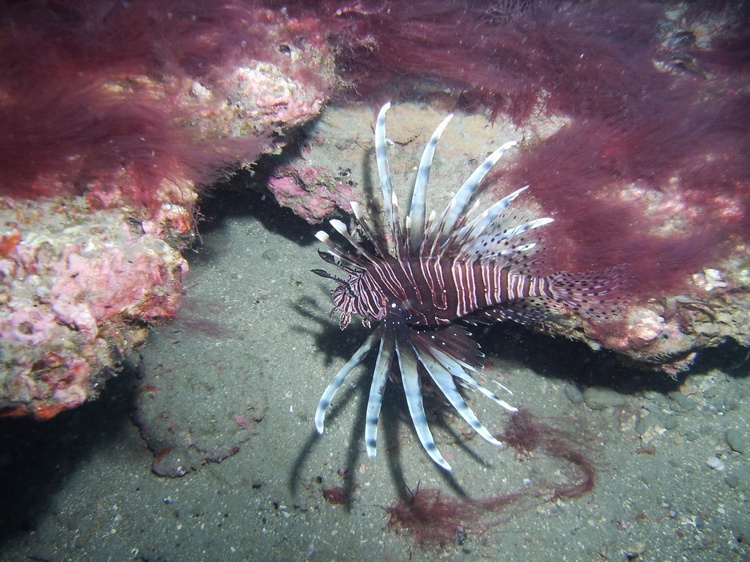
point(105, 141)
point(77, 288)
point(121, 114)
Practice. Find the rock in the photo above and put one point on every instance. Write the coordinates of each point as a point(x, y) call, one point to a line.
point(598, 398)
point(735, 440)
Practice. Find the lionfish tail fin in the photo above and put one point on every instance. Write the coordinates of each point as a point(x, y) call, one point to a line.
point(594, 295)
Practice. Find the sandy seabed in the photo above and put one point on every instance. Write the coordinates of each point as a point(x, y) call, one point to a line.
point(237, 380)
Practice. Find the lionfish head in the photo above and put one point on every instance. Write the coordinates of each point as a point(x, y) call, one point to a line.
point(344, 295)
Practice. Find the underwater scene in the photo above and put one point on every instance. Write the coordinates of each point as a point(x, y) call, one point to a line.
point(390, 280)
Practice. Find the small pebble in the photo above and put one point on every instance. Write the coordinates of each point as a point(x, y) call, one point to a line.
point(670, 421)
point(711, 392)
point(574, 394)
point(681, 403)
point(735, 440)
point(716, 464)
point(598, 398)
point(732, 398)
point(271, 255)
point(635, 550)
point(732, 480)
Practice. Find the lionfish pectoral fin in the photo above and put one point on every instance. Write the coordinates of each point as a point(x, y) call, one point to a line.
point(442, 377)
point(458, 371)
point(377, 387)
point(356, 359)
point(408, 364)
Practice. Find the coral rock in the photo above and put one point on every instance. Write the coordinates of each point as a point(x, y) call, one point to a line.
point(76, 290)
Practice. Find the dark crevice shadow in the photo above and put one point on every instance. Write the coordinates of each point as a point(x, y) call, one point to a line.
point(36, 458)
point(231, 203)
point(729, 357)
point(570, 361)
point(575, 362)
point(245, 193)
point(338, 347)
point(343, 400)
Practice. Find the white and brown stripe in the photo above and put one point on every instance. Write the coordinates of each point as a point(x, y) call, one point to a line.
point(431, 292)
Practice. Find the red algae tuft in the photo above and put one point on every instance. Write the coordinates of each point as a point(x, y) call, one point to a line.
point(433, 518)
point(140, 104)
point(336, 495)
point(113, 118)
point(525, 433)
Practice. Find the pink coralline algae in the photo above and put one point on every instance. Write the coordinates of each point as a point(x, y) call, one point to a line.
point(312, 193)
point(112, 119)
point(75, 298)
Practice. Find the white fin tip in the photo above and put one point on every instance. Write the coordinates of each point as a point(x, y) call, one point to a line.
point(339, 226)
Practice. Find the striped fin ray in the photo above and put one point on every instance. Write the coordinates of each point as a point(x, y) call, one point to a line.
point(356, 359)
point(457, 370)
point(374, 240)
point(478, 225)
point(337, 251)
point(416, 218)
point(408, 364)
point(340, 227)
point(508, 238)
point(457, 206)
point(527, 312)
point(383, 365)
point(594, 294)
point(455, 341)
point(443, 378)
point(389, 197)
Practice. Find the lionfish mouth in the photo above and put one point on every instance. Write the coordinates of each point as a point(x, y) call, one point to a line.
point(438, 270)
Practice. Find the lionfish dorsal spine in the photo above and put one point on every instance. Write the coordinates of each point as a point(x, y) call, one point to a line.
point(337, 251)
point(417, 209)
point(374, 240)
point(381, 155)
point(457, 205)
point(340, 227)
point(477, 226)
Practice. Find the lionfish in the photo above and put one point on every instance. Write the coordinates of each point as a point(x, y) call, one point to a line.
point(436, 271)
